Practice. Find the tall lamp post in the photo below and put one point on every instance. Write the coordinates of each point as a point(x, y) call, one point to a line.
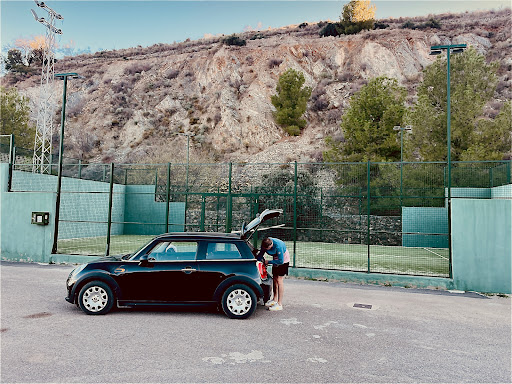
point(61, 76)
point(188, 135)
point(437, 50)
point(402, 129)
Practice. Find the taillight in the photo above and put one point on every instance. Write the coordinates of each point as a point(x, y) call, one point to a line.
point(262, 270)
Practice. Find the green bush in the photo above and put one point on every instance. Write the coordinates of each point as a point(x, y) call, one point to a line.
point(234, 40)
point(330, 29)
point(292, 130)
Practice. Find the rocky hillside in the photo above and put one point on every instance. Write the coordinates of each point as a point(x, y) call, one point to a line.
point(135, 105)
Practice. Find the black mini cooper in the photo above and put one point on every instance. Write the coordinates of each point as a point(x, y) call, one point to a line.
point(177, 269)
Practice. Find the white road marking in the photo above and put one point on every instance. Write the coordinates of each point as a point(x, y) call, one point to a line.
point(237, 358)
point(317, 360)
point(291, 321)
point(325, 325)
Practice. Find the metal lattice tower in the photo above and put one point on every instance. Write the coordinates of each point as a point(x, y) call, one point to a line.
point(44, 129)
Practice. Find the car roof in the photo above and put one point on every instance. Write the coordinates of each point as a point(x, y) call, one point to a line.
point(201, 235)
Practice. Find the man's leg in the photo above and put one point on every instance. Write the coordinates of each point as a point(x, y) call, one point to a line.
point(280, 289)
point(276, 289)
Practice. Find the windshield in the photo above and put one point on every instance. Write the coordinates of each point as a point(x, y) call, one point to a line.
point(132, 256)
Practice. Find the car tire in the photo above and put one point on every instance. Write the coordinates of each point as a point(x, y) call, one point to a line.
point(239, 301)
point(96, 298)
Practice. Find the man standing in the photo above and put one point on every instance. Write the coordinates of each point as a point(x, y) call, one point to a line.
point(280, 263)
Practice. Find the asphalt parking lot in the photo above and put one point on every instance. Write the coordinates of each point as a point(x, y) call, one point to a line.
point(406, 336)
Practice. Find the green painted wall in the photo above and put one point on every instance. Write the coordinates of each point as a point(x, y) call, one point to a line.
point(425, 227)
point(476, 193)
point(503, 192)
point(85, 214)
point(84, 203)
point(19, 239)
point(145, 216)
point(482, 244)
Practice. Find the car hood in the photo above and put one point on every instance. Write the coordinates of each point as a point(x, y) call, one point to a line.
point(267, 214)
point(106, 259)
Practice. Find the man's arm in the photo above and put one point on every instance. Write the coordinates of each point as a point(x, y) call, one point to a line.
point(260, 256)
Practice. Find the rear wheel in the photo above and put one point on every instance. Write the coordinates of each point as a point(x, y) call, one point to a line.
point(96, 298)
point(239, 301)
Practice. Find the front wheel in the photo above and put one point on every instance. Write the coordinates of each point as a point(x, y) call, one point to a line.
point(239, 301)
point(96, 298)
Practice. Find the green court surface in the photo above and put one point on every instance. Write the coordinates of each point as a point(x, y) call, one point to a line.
point(349, 257)
point(383, 259)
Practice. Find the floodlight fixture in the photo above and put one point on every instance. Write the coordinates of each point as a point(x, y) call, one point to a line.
point(41, 4)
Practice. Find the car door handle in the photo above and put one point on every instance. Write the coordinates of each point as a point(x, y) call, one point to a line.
point(188, 270)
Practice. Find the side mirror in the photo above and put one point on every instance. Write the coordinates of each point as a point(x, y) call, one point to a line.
point(143, 261)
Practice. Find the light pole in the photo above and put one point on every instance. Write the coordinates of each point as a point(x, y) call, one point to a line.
point(61, 76)
point(188, 166)
point(437, 50)
point(402, 129)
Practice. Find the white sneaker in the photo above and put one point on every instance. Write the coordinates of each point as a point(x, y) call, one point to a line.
point(270, 303)
point(276, 307)
point(261, 302)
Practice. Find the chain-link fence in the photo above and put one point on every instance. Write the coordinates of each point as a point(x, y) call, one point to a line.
point(371, 217)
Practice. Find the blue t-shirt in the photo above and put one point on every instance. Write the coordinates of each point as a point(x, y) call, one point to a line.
point(277, 252)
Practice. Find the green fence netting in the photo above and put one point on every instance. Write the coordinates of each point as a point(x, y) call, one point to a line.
point(368, 217)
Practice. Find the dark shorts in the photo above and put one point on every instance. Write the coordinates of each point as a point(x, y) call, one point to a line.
point(280, 270)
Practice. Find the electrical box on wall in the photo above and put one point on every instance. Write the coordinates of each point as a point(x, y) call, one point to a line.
point(41, 218)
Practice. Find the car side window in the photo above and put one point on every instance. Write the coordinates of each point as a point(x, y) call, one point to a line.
point(174, 251)
point(222, 251)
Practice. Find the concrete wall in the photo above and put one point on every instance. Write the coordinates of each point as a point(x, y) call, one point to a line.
point(503, 192)
point(427, 224)
point(141, 207)
point(482, 244)
point(19, 239)
point(85, 214)
point(77, 218)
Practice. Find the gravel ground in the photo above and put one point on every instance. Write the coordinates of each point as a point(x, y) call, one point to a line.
point(406, 336)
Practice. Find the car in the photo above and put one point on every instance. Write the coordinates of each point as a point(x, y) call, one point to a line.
point(181, 268)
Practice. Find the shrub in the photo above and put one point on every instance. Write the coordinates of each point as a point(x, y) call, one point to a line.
point(137, 68)
point(257, 36)
point(346, 76)
point(234, 40)
point(330, 29)
point(379, 25)
point(292, 130)
point(408, 25)
point(320, 103)
point(274, 63)
point(171, 73)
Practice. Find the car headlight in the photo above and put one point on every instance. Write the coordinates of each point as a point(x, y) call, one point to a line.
point(74, 272)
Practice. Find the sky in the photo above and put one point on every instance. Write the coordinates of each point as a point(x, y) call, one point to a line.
point(93, 26)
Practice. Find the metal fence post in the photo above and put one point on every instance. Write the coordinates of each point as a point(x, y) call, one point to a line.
point(368, 211)
point(229, 202)
point(295, 215)
point(79, 168)
point(168, 195)
point(12, 159)
point(111, 191)
point(203, 213)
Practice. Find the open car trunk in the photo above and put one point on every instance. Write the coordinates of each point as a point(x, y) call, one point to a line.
point(248, 230)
